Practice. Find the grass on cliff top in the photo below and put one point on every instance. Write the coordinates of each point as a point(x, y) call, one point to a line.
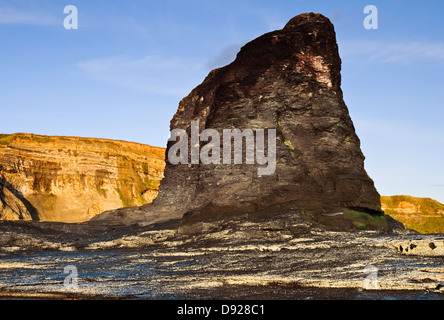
point(117, 145)
point(6, 139)
point(426, 205)
point(427, 218)
point(418, 222)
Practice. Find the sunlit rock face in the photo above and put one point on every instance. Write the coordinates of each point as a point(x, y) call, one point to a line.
point(288, 81)
point(71, 179)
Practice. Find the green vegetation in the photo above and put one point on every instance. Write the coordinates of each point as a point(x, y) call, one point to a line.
point(131, 191)
point(87, 141)
point(426, 205)
point(430, 225)
point(6, 139)
point(360, 225)
point(364, 221)
point(292, 150)
point(288, 144)
point(42, 139)
point(125, 202)
point(101, 191)
point(423, 215)
point(357, 215)
point(348, 140)
point(354, 220)
point(141, 200)
point(152, 184)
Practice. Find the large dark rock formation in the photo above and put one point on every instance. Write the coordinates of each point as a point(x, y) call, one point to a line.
point(288, 80)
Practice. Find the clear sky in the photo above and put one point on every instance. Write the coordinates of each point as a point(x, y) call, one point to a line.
point(122, 73)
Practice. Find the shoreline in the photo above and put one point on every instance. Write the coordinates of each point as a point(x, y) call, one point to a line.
point(242, 293)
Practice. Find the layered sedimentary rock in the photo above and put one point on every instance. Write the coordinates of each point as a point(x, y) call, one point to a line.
point(71, 179)
point(424, 215)
point(289, 81)
point(11, 207)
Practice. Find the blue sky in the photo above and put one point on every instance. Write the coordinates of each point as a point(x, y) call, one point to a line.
point(122, 73)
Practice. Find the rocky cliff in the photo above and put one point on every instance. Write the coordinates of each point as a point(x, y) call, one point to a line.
point(11, 207)
point(72, 179)
point(288, 81)
point(424, 215)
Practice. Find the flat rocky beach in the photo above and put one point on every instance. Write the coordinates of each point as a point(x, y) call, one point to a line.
point(219, 260)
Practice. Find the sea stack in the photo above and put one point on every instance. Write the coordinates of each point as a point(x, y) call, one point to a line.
point(289, 81)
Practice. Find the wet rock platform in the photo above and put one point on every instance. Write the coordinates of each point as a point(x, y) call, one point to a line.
point(283, 258)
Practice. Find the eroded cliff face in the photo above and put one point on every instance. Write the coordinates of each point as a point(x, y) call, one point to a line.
point(71, 179)
point(289, 81)
point(11, 207)
point(424, 215)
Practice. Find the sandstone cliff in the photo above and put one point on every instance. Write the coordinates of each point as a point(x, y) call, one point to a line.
point(287, 80)
point(11, 207)
point(72, 179)
point(424, 215)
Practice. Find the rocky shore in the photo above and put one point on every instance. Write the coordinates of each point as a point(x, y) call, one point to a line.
point(312, 229)
point(283, 258)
